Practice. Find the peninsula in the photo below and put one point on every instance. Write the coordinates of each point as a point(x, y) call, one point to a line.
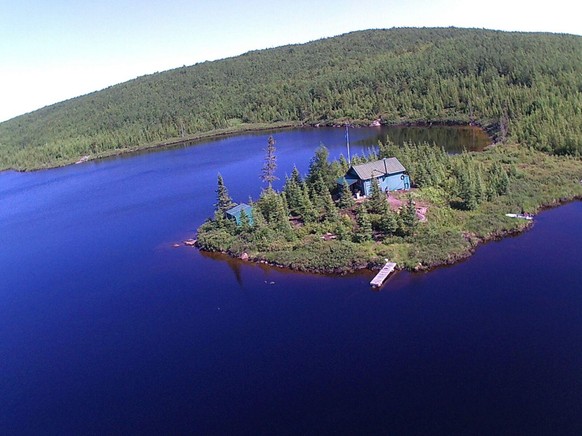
point(415, 205)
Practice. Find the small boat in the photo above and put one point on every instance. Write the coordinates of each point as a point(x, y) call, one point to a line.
point(523, 216)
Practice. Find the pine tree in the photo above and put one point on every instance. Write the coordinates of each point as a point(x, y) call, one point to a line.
point(292, 191)
point(322, 199)
point(364, 226)
point(389, 223)
point(467, 191)
point(270, 165)
point(272, 206)
point(377, 198)
point(408, 216)
point(480, 187)
point(308, 212)
point(343, 162)
point(504, 126)
point(319, 167)
point(296, 176)
point(245, 226)
point(346, 199)
point(224, 202)
point(499, 179)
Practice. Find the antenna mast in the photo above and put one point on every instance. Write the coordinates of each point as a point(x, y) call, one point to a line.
point(348, 143)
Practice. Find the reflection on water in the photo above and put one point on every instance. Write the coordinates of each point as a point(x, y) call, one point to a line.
point(454, 139)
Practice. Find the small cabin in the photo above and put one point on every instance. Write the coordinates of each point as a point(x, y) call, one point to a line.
point(389, 172)
point(235, 213)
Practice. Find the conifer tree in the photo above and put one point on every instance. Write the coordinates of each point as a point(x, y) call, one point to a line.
point(272, 206)
point(245, 224)
point(364, 226)
point(224, 202)
point(293, 193)
point(389, 223)
point(499, 179)
point(377, 198)
point(296, 176)
point(270, 165)
point(346, 199)
point(343, 162)
point(408, 215)
point(467, 190)
point(322, 199)
point(480, 189)
point(308, 212)
point(319, 167)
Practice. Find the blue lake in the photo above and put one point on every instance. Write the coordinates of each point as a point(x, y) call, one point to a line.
point(105, 328)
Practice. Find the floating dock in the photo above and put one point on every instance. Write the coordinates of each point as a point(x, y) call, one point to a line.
point(383, 275)
point(520, 216)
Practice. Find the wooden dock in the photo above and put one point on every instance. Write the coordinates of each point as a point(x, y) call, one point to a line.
point(383, 275)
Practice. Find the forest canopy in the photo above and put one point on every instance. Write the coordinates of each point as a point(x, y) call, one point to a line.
point(526, 87)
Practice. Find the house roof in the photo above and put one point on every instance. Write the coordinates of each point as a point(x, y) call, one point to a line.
point(235, 211)
point(378, 168)
point(349, 180)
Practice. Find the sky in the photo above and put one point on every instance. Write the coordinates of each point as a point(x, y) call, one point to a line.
point(54, 50)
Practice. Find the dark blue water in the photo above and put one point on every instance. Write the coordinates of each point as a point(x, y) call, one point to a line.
point(107, 329)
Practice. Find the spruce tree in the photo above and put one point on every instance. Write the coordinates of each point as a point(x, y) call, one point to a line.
point(272, 206)
point(308, 212)
point(389, 223)
point(319, 167)
point(346, 199)
point(377, 198)
point(408, 215)
point(467, 191)
point(296, 176)
point(322, 200)
point(270, 165)
point(224, 202)
point(292, 191)
point(480, 188)
point(245, 224)
point(364, 226)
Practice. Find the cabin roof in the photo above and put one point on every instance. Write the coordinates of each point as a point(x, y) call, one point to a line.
point(378, 168)
point(236, 211)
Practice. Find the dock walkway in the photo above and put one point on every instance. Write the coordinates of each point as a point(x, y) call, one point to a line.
point(383, 275)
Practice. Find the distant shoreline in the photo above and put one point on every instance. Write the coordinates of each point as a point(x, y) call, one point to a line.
point(249, 128)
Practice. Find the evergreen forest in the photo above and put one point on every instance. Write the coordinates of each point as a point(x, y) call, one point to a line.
point(523, 87)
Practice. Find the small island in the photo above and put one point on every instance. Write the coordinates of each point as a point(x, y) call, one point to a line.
point(415, 204)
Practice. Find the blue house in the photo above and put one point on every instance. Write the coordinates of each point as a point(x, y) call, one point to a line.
point(235, 213)
point(389, 172)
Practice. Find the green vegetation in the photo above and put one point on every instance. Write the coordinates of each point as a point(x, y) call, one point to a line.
point(308, 226)
point(525, 87)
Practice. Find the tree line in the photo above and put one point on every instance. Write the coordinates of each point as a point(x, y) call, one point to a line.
point(526, 87)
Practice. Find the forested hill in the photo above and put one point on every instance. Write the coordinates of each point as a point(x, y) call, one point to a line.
point(530, 81)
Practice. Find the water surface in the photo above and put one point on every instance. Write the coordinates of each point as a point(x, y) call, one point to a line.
point(105, 328)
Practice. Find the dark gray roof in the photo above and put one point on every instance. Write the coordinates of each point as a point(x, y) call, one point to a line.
point(378, 168)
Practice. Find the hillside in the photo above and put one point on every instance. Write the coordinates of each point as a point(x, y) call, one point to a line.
point(531, 82)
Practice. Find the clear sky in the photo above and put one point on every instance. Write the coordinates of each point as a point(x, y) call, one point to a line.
point(52, 50)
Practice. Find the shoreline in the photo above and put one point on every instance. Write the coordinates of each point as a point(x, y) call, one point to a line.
point(488, 129)
point(474, 241)
point(168, 144)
